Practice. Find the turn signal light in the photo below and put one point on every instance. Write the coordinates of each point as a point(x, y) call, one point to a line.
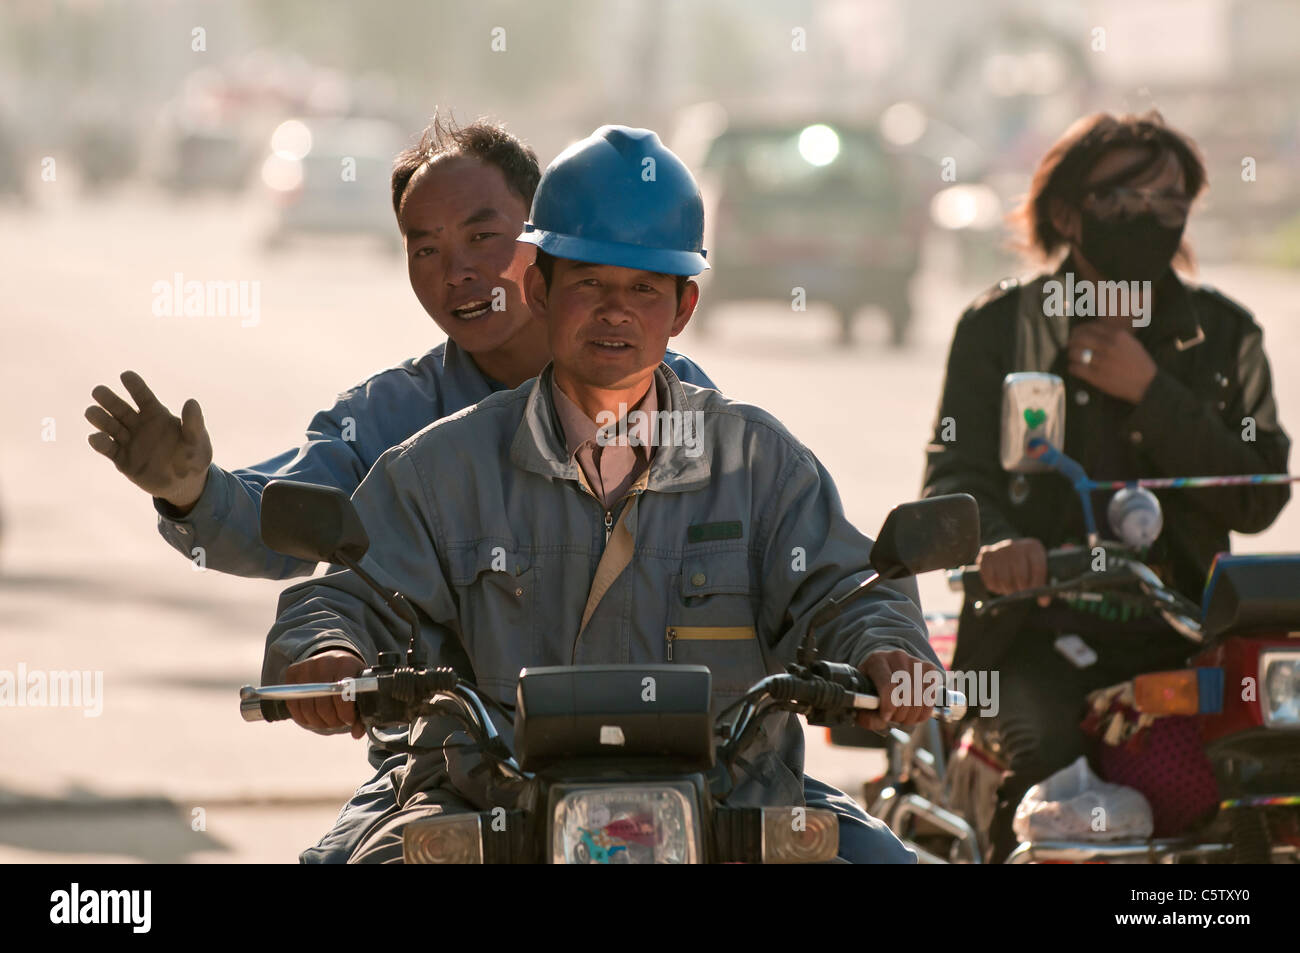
point(799, 835)
point(452, 839)
point(1191, 691)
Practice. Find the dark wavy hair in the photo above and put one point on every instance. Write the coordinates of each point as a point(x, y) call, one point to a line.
point(1062, 171)
point(483, 139)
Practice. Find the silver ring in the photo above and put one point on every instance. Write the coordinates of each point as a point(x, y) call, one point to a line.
point(1086, 355)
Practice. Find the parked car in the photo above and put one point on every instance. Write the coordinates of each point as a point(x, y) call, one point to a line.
point(828, 208)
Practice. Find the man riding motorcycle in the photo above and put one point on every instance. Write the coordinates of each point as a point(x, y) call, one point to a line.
point(524, 533)
point(1174, 383)
point(461, 197)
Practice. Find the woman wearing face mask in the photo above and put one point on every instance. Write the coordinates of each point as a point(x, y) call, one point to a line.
point(1172, 381)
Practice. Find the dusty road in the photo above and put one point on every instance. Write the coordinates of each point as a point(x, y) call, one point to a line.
point(168, 771)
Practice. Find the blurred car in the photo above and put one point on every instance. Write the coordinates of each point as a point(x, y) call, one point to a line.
point(826, 208)
point(333, 176)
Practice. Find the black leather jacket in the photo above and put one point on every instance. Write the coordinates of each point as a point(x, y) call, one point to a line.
point(1211, 374)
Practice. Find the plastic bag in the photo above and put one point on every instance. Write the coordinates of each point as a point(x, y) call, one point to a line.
point(1075, 804)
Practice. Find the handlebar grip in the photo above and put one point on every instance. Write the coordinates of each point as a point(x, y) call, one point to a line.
point(1068, 562)
point(254, 709)
point(275, 711)
point(1064, 562)
point(953, 708)
point(862, 695)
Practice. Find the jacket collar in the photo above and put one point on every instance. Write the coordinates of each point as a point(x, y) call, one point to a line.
point(1175, 316)
point(1179, 308)
point(539, 443)
point(465, 376)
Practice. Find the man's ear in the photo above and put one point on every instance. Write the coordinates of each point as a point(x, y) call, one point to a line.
point(535, 291)
point(685, 308)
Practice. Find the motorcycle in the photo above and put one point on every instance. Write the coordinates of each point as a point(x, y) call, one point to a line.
point(601, 771)
point(1241, 684)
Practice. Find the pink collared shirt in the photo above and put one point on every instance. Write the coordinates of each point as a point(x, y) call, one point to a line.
point(610, 459)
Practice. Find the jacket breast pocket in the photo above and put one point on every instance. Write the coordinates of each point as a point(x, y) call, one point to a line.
point(711, 621)
point(496, 583)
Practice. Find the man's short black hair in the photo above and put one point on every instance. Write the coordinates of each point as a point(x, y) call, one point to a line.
point(483, 139)
point(546, 265)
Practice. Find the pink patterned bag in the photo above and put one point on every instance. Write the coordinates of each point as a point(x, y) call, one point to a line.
point(1161, 756)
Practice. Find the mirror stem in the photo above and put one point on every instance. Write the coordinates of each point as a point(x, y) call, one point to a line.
point(1073, 471)
point(832, 610)
point(400, 606)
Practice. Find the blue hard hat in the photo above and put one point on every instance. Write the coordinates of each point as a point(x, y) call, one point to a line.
point(620, 197)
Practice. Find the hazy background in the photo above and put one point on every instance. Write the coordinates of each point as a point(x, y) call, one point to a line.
point(133, 148)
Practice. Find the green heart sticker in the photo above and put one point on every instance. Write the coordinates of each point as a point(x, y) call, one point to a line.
point(1035, 417)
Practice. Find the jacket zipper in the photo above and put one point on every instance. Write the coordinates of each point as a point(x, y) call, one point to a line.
point(692, 634)
point(609, 529)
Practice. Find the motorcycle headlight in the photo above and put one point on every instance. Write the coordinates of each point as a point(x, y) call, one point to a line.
point(652, 824)
point(1280, 702)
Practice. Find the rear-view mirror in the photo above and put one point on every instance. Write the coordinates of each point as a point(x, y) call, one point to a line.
point(316, 523)
point(939, 533)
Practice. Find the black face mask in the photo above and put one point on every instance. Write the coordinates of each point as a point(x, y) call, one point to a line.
point(1130, 249)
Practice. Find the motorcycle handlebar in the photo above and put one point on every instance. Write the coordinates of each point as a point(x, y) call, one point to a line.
point(268, 703)
point(1073, 566)
point(862, 694)
point(952, 710)
point(255, 709)
point(839, 691)
point(839, 696)
point(397, 696)
point(1064, 561)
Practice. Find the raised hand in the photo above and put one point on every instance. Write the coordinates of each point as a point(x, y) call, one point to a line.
point(162, 454)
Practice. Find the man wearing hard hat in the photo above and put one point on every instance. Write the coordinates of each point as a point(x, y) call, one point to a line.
point(460, 197)
point(618, 551)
